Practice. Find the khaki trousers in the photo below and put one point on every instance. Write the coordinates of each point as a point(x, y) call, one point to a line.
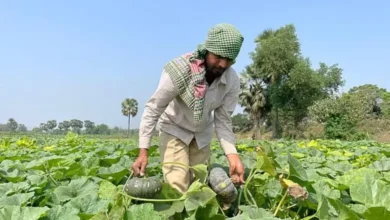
point(173, 149)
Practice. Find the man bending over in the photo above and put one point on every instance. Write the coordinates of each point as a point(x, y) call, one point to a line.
point(191, 87)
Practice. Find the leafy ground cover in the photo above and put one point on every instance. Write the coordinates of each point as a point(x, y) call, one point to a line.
point(77, 178)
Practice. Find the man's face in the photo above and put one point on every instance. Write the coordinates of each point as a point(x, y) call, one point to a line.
point(216, 64)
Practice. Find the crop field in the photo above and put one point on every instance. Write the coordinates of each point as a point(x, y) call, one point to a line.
point(74, 177)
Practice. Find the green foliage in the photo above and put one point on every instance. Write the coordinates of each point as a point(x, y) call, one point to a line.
point(79, 178)
point(339, 127)
point(341, 114)
point(379, 98)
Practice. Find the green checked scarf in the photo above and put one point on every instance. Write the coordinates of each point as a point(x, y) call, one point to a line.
point(188, 72)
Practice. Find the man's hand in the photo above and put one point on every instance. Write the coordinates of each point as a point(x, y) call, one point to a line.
point(236, 170)
point(140, 163)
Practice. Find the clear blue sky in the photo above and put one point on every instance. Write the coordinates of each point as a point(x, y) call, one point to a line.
point(79, 59)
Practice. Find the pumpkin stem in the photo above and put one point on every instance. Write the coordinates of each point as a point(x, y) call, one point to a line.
point(153, 200)
point(251, 175)
point(280, 203)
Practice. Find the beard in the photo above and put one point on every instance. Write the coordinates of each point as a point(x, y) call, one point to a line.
point(215, 71)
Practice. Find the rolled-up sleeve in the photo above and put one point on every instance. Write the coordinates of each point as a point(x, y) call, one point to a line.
point(223, 121)
point(155, 106)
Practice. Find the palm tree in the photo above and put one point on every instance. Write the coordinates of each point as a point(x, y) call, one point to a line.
point(129, 109)
point(253, 99)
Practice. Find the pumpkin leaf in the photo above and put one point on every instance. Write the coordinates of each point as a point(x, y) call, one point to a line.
point(325, 210)
point(344, 213)
point(107, 190)
point(168, 209)
point(371, 192)
point(200, 172)
point(76, 188)
point(198, 195)
point(322, 188)
point(59, 212)
point(113, 173)
point(265, 163)
point(381, 165)
point(20, 199)
point(116, 213)
point(296, 169)
point(22, 213)
point(143, 211)
point(209, 211)
point(89, 205)
point(376, 213)
point(249, 212)
point(168, 192)
point(355, 176)
point(109, 160)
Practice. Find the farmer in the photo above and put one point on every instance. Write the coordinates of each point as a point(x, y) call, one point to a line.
point(191, 87)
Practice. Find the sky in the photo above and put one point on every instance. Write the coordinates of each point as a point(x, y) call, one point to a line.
point(80, 59)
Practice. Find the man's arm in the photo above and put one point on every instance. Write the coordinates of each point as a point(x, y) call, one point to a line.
point(223, 121)
point(224, 130)
point(154, 107)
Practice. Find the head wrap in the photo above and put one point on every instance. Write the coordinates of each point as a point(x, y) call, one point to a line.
point(222, 39)
point(188, 71)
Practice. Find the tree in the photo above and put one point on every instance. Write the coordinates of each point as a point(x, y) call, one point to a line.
point(275, 55)
point(43, 127)
point(22, 128)
point(51, 125)
point(76, 125)
point(331, 79)
point(12, 125)
point(288, 82)
point(101, 129)
point(89, 126)
point(252, 97)
point(64, 126)
point(36, 130)
point(129, 109)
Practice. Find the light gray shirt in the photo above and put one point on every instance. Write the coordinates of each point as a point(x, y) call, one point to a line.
point(167, 111)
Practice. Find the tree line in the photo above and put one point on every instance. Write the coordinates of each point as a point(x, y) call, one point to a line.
point(281, 93)
point(129, 109)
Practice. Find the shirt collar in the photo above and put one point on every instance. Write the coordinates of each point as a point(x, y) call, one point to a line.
point(223, 77)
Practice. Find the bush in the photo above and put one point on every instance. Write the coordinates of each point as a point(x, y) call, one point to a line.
point(339, 127)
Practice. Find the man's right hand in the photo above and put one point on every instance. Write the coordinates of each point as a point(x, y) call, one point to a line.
point(139, 166)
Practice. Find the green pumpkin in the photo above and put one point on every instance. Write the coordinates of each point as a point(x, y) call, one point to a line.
point(143, 187)
point(222, 185)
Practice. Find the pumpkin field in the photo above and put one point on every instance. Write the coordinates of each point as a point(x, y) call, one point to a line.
point(75, 177)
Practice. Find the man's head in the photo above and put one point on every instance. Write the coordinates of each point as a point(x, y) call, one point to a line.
point(221, 48)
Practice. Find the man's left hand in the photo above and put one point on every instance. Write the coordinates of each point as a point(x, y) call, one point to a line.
point(236, 170)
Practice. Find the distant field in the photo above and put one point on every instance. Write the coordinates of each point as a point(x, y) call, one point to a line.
point(76, 177)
